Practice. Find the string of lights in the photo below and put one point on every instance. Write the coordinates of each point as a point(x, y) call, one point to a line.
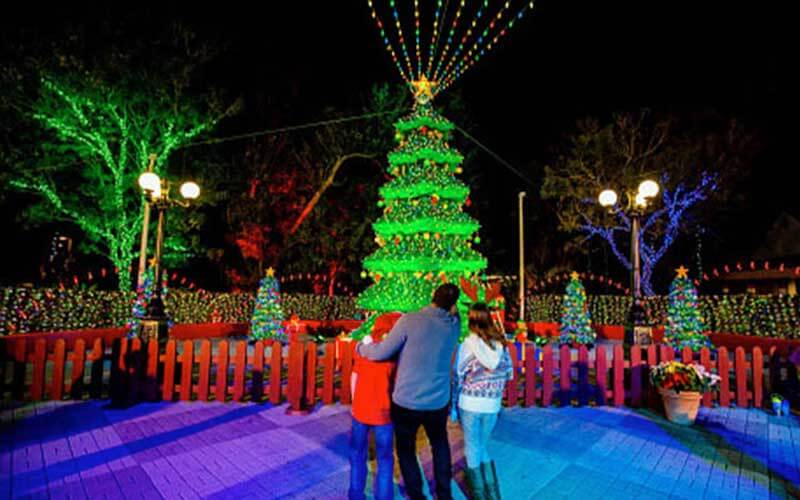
point(420, 64)
point(293, 128)
point(495, 156)
point(477, 51)
point(401, 38)
point(456, 43)
point(550, 281)
point(465, 39)
point(322, 123)
point(387, 43)
point(436, 32)
point(449, 41)
point(470, 30)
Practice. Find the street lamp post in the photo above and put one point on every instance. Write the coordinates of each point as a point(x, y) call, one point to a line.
point(145, 232)
point(521, 258)
point(157, 193)
point(637, 331)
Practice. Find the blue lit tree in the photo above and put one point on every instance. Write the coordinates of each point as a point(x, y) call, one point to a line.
point(695, 159)
point(669, 218)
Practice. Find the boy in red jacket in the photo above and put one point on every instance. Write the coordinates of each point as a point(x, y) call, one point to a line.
point(371, 386)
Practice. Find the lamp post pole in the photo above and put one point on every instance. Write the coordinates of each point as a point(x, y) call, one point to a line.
point(156, 307)
point(155, 323)
point(145, 230)
point(636, 329)
point(521, 258)
point(636, 263)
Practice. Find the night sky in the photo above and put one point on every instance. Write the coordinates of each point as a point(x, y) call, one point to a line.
point(569, 59)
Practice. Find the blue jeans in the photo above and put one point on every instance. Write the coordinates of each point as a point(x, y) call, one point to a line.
point(477, 432)
point(359, 442)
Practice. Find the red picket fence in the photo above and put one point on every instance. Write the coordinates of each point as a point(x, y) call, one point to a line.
point(586, 377)
point(307, 373)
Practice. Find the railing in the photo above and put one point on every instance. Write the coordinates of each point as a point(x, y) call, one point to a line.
point(306, 373)
point(582, 377)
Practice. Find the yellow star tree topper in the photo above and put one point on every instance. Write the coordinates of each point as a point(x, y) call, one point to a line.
point(424, 90)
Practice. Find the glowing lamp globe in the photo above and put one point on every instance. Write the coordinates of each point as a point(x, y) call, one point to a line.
point(648, 188)
point(607, 198)
point(190, 190)
point(149, 181)
point(641, 200)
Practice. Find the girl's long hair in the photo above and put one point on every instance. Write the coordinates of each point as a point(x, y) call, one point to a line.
point(481, 324)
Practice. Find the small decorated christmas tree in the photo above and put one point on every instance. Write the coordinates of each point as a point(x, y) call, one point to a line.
point(267, 321)
point(684, 324)
point(576, 324)
point(144, 293)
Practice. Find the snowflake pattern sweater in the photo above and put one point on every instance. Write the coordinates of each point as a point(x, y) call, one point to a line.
point(481, 375)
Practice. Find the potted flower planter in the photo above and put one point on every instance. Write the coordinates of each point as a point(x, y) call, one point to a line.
point(681, 407)
point(681, 386)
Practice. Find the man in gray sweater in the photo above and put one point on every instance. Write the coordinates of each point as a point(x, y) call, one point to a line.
point(424, 343)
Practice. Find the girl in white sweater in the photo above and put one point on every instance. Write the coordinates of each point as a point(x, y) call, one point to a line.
point(483, 367)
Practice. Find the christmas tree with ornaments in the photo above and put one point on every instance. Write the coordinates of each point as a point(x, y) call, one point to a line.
point(424, 236)
point(576, 322)
point(684, 323)
point(268, 317)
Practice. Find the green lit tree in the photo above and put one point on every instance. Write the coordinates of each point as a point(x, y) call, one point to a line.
point(576, 322)
point(425, 237)
point(684, 324)
point(92, 125)
point(267, 320)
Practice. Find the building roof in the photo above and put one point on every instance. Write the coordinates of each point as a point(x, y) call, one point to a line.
point(782, 240)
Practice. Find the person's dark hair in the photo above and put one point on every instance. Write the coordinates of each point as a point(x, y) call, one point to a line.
point(445, 296)
point(481, 324)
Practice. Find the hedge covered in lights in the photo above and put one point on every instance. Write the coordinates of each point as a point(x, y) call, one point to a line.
point(759, 315)
point(50, 310)
point(36, 310)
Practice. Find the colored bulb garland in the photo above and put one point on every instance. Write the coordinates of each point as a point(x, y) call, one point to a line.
point(24, 310)
point(458, 37)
